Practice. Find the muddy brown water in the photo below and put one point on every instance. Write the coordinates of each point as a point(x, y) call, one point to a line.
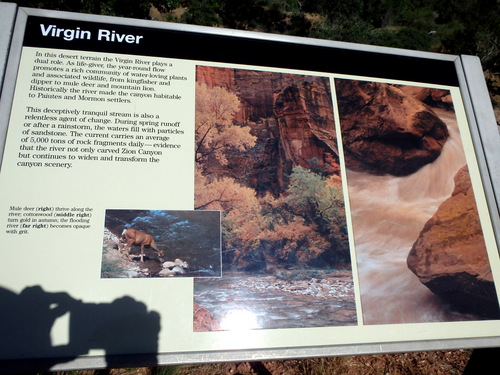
point(387, 215)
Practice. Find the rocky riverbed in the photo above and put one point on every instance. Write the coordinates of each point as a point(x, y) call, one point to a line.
point(337, 286)
point(288, 299)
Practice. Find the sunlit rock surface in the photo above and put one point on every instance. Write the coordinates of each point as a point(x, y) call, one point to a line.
point(450, 256)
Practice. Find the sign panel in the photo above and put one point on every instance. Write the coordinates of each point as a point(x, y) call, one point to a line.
point(187, 194)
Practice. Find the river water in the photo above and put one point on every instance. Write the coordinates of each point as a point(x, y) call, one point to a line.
point(388, 214)
point(243, 301)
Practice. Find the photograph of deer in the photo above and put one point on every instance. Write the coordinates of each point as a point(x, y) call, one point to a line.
point(161, 243)
point(133, 236)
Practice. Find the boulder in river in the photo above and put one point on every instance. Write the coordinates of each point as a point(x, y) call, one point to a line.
point(386, 130)
point(450, 256)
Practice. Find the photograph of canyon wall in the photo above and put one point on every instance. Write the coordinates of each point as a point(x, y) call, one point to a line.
point(267, 158)
point(421, 255)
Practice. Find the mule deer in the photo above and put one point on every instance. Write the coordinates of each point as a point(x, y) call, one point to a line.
point(136, 237)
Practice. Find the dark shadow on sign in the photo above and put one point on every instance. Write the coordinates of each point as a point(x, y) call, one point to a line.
point(122, 327)
point(482, 361)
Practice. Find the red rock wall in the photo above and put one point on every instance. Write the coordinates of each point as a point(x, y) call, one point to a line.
point(292, 116)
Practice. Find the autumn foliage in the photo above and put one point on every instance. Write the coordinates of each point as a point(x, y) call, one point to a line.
point(304, 226)
point(215, 131)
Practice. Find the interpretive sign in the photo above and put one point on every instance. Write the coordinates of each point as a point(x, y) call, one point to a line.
point(177, 194)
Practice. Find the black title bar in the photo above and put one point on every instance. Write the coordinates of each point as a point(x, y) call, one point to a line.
point(123, 39)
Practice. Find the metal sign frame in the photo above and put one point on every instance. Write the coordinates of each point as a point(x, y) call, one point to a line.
point(221, 45)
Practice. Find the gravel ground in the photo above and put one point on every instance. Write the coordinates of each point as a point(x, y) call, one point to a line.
point(452, 362)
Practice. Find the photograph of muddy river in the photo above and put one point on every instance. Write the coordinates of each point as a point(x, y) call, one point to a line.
point(388, 214)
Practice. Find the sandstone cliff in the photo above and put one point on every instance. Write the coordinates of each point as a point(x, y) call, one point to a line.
point(388, 129)
point(450, 257)
point(291, 116)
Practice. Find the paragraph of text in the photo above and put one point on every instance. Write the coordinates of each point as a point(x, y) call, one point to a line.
point(23, 219)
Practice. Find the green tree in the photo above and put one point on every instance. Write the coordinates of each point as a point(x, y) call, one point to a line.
point(320, 201)
point(274, 16)
point(202, 12)
point(122, 8)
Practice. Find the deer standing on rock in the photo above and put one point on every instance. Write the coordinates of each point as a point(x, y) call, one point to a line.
point(135, 237)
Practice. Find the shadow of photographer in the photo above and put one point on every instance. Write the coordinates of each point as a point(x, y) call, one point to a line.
point(121, 328)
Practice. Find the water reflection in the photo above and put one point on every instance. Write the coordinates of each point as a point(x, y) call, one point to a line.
point(239, 320)
point(270, 303)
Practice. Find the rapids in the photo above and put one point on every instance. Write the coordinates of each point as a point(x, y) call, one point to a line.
point(387, 215)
